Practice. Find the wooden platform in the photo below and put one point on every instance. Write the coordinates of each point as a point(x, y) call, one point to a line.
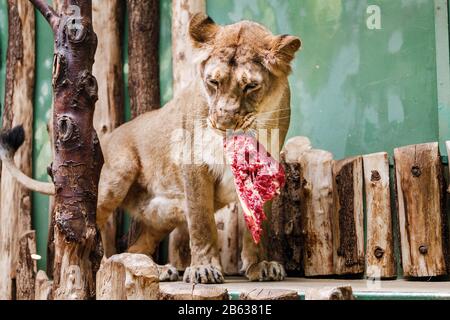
point(363, 289)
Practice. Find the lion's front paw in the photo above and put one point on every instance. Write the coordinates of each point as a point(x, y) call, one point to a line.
point(168, 273)
point(203, 274)
point(266, 271)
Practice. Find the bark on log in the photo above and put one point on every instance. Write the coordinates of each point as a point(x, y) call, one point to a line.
point(184, 70)
point(338, 293)
point(269, 294)
point(317, 212)
point(15, 203)
point(78, 158)
point(26, 267)
point(421, 210)
point(348, 219)
point(227, 221)
point(108, 69)
point(191, 291)
point(143, 49)
point(43, 287)
point(128, 276)
point(285, 236)
point(380, 260)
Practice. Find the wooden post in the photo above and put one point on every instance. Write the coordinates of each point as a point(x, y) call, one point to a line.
point(78, 159)
point(380, 261)
point(184, 70)
point(338, 293)
point(191, 291)
point(128, 276)
point(108, 69)
point(15, 203)
point(227, 221)
point(421, 210)
point(269, 294)
point(348, 217)
point(143, 74)
point(285, 233)
point(317, 212)
point(43, 287)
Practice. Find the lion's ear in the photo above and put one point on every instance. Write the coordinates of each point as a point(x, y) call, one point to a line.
point(202, 30)
point(281, 53)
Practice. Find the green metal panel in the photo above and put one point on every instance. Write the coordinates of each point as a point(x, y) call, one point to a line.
point(356, 90)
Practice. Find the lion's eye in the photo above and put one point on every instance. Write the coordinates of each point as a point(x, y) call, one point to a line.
point(213, 82)
point(251, 87)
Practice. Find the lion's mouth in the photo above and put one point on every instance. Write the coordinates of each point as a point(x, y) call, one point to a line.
point(242, 125)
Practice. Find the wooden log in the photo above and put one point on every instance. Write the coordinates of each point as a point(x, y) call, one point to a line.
point(184, 70)
point(128, 276)
point(285, 234)
point(269, 294)
point(15, 203)
point(191, 291)
point(337, 293)
point(109, 112)
point(26, 267)
point(380, 260)
point(43, 287)
point(348, 217)
point(227, 221)
point(183, 66)
point(317, 212)
point(143, 75)
point(78, 158)
point(421, 210)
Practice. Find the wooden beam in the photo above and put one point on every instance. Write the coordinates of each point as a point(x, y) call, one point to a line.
point(337, 293)
point(108, 69)
point(191, 291)
point(380, 260)
point(317, 212)
point(348, 217)
point(15, 203)
point(421, 210)
point(128, 276)
point(269, 294)
point(285, 236)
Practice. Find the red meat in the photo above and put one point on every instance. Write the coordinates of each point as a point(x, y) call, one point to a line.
point(258, 178)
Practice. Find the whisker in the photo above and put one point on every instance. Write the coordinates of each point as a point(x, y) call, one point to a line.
point(273, 111)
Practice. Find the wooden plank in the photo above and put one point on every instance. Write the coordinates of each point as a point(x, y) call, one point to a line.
point(380, 260)
point(421, 210)
point(348, 217)
point(109, 110)
point(191, 291)
point(330, 293)
point(128, 276)
point(269, 294)
point(15, 203)
point(285, 236)
point(317, 212)
point(228, 238)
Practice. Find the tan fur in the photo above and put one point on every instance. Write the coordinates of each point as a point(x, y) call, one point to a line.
point(143, 171)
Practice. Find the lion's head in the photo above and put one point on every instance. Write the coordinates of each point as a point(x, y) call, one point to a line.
point(240, 66)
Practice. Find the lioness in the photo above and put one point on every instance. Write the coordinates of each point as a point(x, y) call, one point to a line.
point(241, 85)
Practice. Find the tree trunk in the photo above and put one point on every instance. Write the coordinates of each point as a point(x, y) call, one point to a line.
point(421, 210)
point(184, 70)
point(317, 212)
point(128, 276)
point(15, 204)
point(380, 261)
point(109, 112)
point(78, 158)
point(447, 144)
point(348, 217)
point(143, 76)
point(285, 236)
point(26, 267)
point(43, 287)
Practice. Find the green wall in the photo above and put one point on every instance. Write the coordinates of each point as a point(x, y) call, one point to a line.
point(355, 90)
